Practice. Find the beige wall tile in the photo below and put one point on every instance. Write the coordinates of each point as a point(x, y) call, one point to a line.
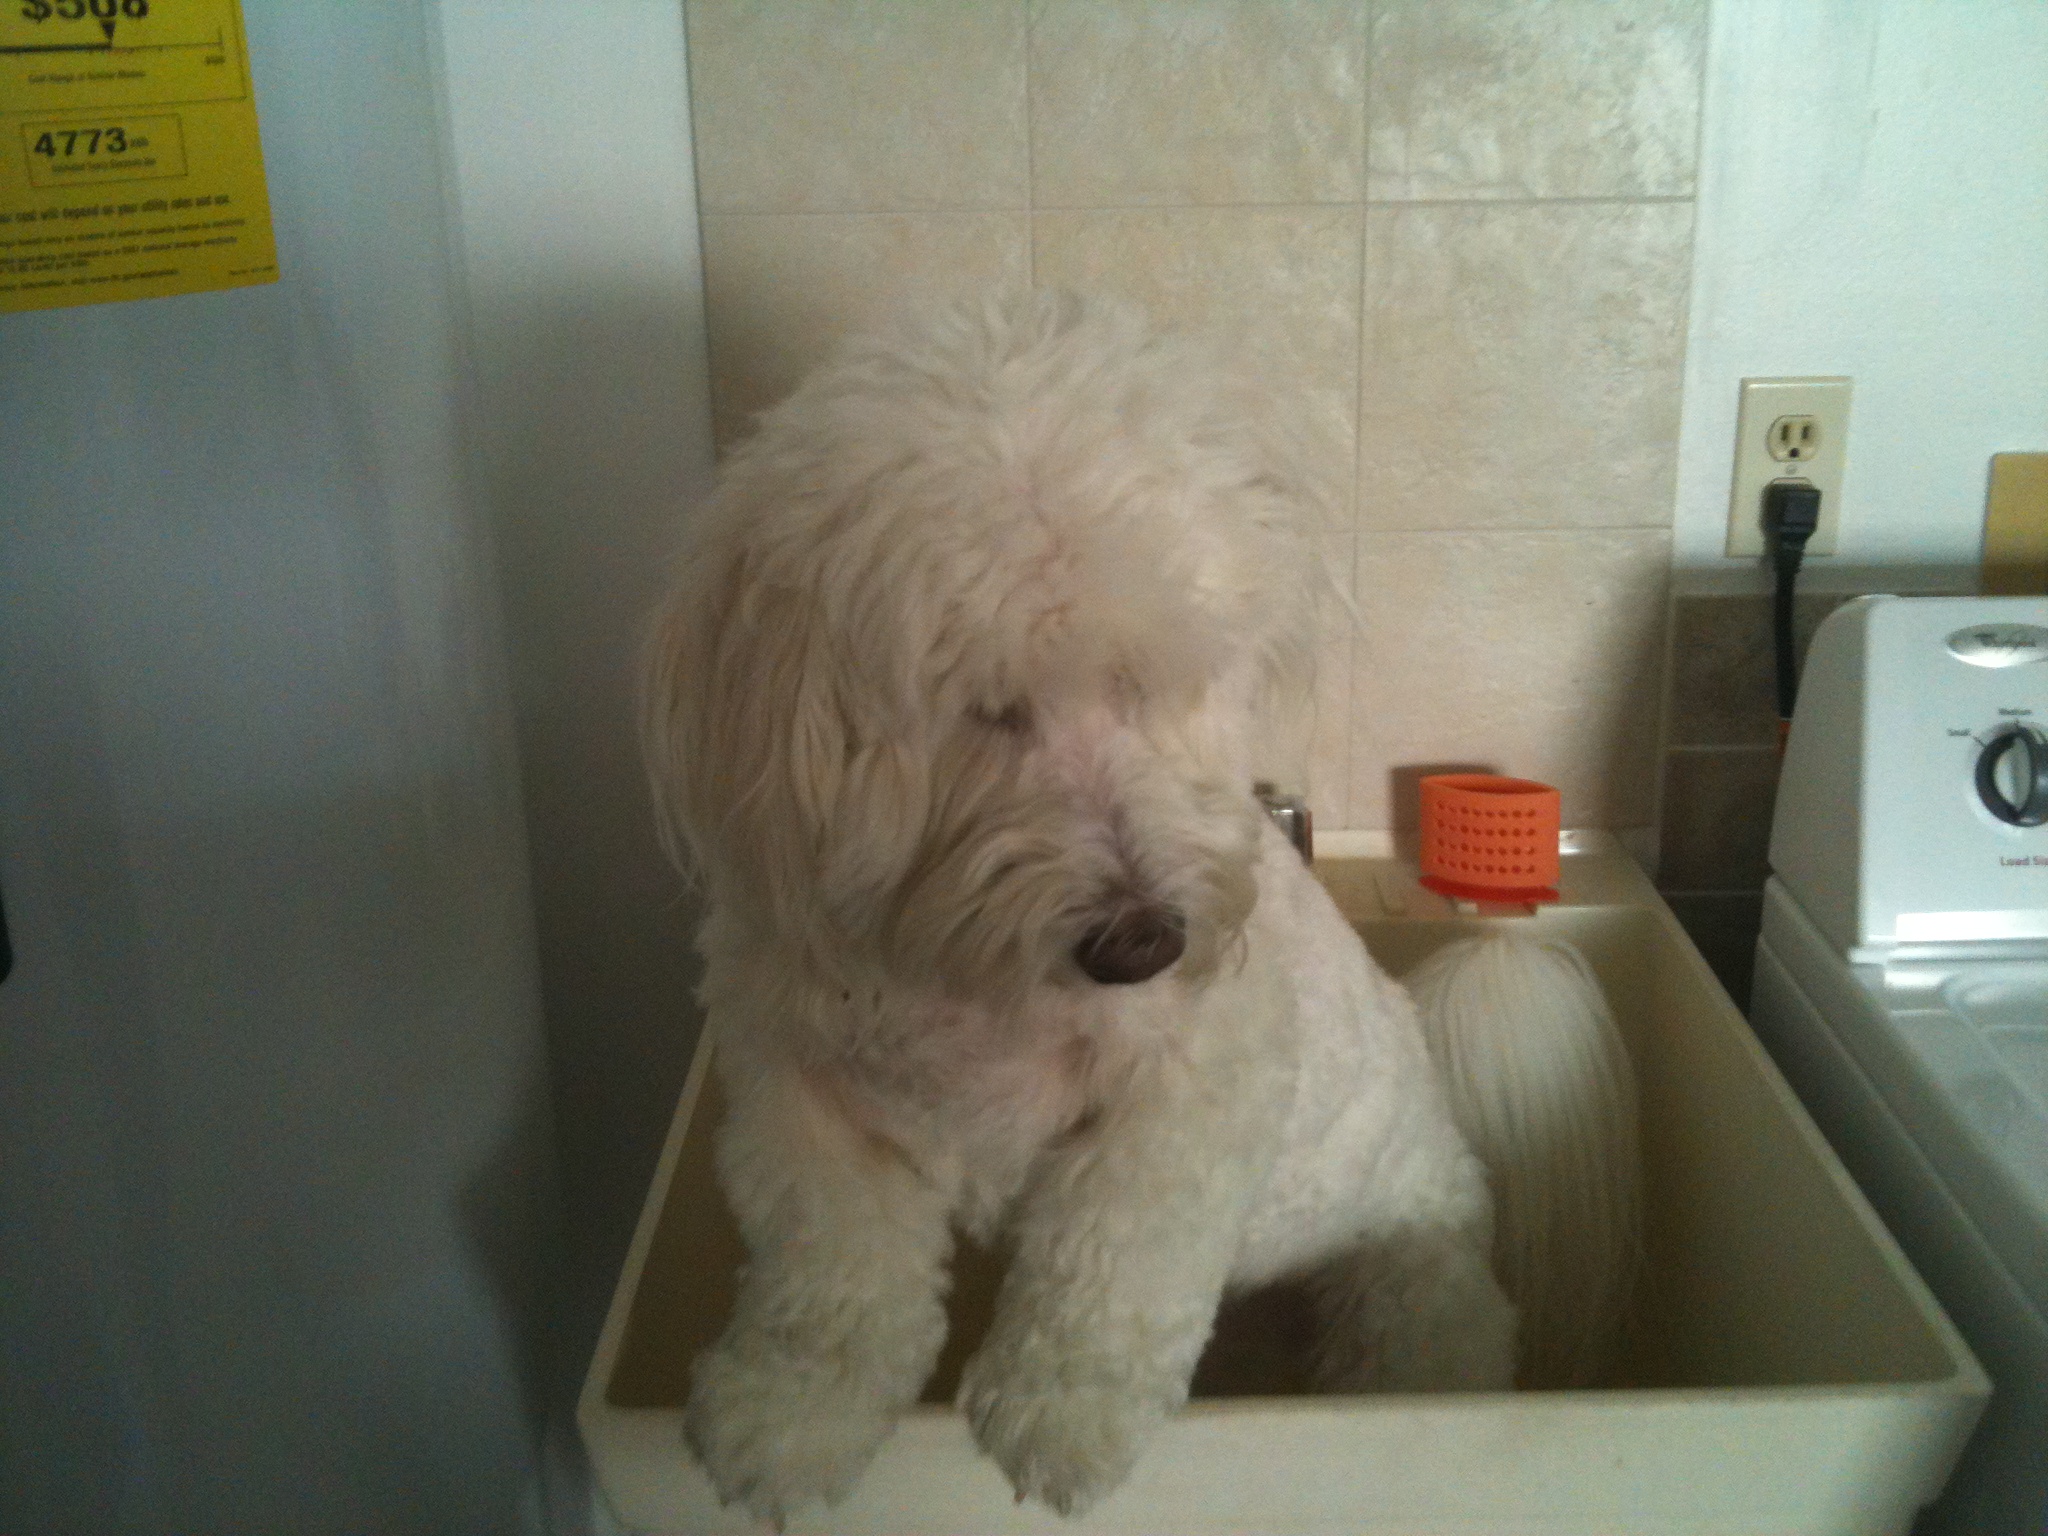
point(1327, 738)
point(1534, 98)
point(1282, 286)
point(1507, 427)
point(1716, 825)
point(780, 289)
point(1724, 670)
point(1196, 101)
point(1305, 745)
point(1529, 653)
point(815, 106)
point(1522, 364)
point(1278, 285)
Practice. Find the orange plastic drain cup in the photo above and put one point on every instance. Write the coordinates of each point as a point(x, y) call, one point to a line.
point(1486, 838)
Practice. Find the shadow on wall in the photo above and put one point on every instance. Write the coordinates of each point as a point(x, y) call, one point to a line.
point(588, 479)
point(1404, 794)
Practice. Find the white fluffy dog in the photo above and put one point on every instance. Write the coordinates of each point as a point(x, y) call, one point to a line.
point(955, 710)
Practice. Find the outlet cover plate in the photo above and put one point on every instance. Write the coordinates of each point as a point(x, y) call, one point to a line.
point(1764, 402)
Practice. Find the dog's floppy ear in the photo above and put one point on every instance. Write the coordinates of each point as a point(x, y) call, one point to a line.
point(745, 733)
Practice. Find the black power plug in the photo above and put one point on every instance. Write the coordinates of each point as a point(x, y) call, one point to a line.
point(1791, 513)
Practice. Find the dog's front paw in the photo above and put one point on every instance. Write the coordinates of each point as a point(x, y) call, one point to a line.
point(1066, 1442)
point(776, 1431)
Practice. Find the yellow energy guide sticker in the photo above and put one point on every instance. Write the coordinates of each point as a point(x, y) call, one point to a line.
point(130, 166)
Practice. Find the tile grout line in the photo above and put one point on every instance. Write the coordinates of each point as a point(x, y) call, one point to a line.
point(1032, 205)
point(1720, 747)
point(1353, 622)
point(1506, 529)
point(1030, 164)
point(1616, 200)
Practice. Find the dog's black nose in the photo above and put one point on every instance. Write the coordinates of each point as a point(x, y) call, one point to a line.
point(1135, 945)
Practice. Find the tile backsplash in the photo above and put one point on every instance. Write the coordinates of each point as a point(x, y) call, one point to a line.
point(1459, 231)
point(1720, 761)
point(1720, 768)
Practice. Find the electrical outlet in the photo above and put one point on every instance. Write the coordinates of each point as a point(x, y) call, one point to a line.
point(1793, 438)
point(1788, 429)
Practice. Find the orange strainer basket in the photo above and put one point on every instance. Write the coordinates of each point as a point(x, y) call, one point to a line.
point(1486, 838)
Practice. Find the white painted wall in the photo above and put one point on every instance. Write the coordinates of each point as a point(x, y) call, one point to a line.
point(1873, 201)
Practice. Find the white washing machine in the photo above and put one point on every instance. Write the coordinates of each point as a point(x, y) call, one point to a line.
point(1902, 978)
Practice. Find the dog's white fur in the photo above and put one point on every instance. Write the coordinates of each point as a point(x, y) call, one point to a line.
point(967, 657)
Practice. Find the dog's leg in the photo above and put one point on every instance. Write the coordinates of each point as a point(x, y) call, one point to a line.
point(1123, 1245)
point(1416, 1309)
point(840, 1313)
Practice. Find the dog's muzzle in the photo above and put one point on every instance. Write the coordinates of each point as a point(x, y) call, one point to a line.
point(1135, 945)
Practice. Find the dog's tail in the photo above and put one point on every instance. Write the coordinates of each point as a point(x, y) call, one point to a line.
point(1540, 1085)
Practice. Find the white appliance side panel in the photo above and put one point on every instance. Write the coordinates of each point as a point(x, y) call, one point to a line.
point(2001, 1483)
point(274, 1191)
point(1818, 824)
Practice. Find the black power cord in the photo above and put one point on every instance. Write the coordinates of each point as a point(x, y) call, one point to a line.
point(1791, 513)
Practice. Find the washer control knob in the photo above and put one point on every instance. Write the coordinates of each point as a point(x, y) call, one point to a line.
point(2012, 776)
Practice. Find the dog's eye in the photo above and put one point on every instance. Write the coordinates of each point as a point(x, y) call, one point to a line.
point(1013, 719)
